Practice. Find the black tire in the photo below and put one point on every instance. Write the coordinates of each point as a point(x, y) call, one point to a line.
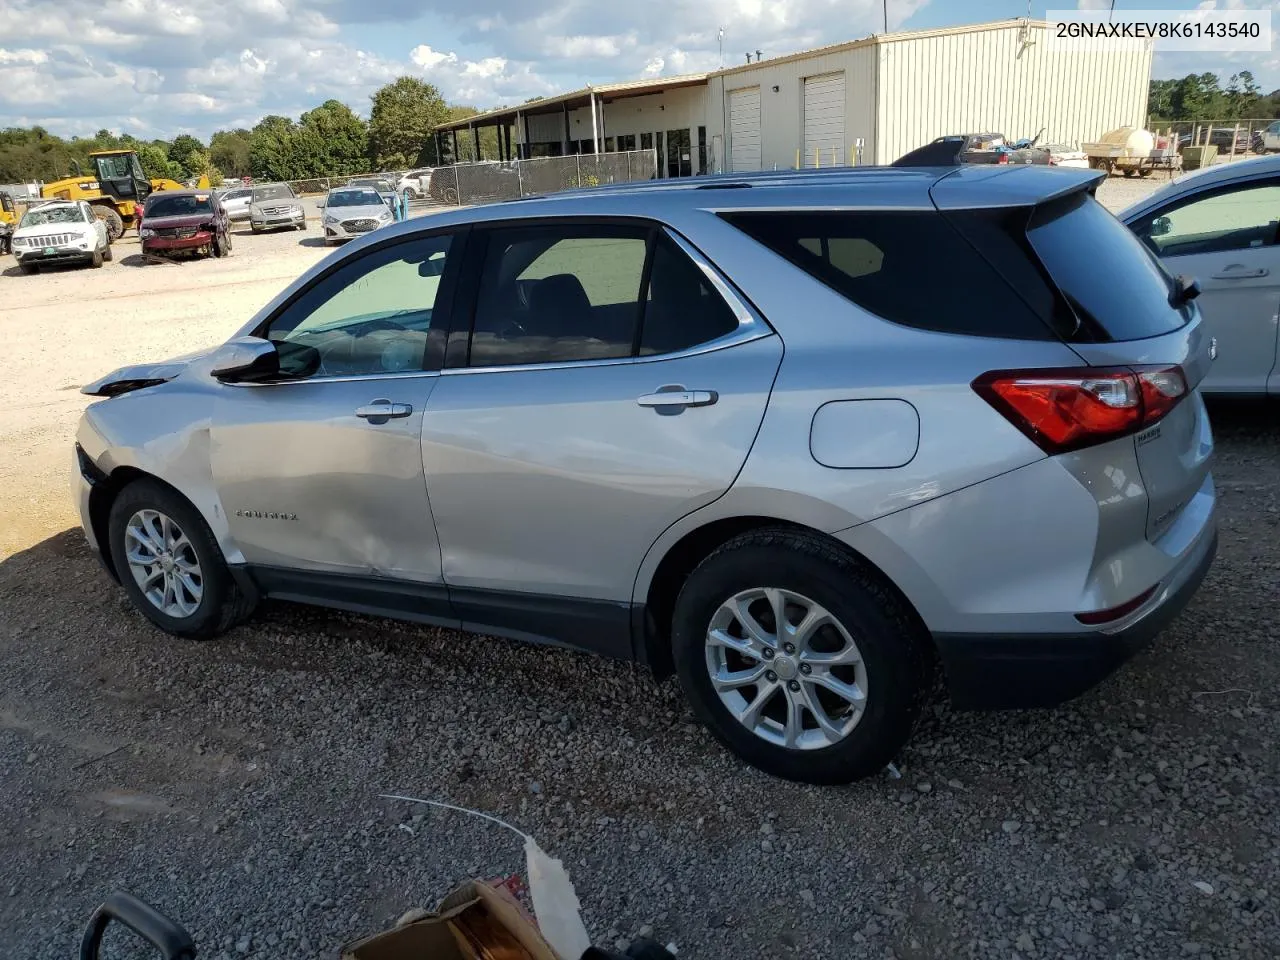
point(107, 253)
point(29, 268)
point(96, 259)
point(222, 605)
point(895, 649)
point(113, 220)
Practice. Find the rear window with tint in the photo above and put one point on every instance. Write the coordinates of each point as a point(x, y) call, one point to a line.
point(1112, 282)
point(909, 267)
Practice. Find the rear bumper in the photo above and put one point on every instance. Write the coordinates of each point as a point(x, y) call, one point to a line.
point(1002, 672)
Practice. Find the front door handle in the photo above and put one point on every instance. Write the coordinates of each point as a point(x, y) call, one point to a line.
point(380, 411)
point(678, 397)
point(1241, 274)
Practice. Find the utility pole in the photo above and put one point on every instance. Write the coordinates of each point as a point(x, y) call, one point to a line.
point(886, 15)
point(720, 39)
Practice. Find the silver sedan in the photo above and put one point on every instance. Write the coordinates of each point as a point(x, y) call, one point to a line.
point(353, 212)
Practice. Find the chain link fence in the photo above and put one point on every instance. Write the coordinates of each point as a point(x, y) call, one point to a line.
point(1235, 139)
point(489, 181)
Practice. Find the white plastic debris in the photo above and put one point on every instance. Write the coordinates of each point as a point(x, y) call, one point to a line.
point(1203, 887)
point(893, 772)
point(555, 902)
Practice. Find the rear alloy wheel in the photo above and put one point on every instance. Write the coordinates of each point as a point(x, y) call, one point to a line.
point(169, 563)
point(797, 657)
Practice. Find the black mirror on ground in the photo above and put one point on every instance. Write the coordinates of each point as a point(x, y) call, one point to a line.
point(246, 360)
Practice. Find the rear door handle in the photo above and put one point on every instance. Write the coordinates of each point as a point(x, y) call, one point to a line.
point(380, 411)
point(1241, 274)
point(679, 398)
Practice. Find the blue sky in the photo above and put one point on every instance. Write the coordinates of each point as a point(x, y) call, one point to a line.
point(159, 67)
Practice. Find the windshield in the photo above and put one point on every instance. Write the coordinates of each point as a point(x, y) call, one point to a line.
point(43, 215)
point(113, 168)
point(273, 191)
point(182, 205)
point(353, 198)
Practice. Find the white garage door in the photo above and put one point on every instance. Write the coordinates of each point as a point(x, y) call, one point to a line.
point(824, 121)
point(744, 129)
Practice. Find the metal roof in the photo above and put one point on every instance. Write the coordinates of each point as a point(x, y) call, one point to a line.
point(575, 98)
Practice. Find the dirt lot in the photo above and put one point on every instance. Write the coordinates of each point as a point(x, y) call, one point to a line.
point(235, 783)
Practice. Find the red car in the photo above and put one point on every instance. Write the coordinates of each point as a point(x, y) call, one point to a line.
point(185, 221)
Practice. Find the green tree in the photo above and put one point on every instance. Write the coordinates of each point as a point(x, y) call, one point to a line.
point(229, 151)
point(402, 123)
point(184, 145)
point(199, 165)
point(270, 148)
point(156, 163)
point(335, 138)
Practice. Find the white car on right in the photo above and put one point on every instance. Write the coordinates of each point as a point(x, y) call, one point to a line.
point(1221, 226)
point(417, 182)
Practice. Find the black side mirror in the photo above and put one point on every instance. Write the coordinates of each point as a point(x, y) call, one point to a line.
point(246, 360)
point(1185, 289)
point(1160, 226)
point(173, 942)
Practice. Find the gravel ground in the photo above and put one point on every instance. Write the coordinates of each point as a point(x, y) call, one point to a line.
point(235, 783)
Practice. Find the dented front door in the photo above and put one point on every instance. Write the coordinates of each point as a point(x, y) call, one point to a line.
point(326, 475)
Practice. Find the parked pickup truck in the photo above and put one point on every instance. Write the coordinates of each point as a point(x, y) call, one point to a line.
point(973, 148)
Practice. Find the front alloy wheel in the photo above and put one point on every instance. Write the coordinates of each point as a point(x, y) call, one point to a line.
point(786, 669)
point(164, 564)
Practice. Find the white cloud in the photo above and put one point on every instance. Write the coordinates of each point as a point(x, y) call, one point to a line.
point(427, 58)
point(1100, 4)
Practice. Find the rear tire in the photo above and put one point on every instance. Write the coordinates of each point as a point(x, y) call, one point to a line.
point(884, 654)
point(150, 506)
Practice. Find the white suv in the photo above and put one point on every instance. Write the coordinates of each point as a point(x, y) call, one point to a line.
point(64, 231)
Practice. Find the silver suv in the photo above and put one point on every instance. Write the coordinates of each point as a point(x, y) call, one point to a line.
point(795, 438)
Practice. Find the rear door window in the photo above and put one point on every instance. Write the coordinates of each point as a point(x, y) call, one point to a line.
point(1117, 288)
point(557, 293)
point(910, 267)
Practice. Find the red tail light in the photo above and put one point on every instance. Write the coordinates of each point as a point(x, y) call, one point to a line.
point(1068, 409)
point(1004, 158)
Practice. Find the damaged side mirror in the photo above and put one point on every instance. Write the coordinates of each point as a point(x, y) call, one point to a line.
point(246, 360)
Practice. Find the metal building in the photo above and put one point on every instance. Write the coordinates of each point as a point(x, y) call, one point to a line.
point(895, 92)
point(866, 101)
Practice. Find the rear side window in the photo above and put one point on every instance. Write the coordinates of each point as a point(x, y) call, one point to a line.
point(684, 309)
point(1112, 282)
point(910, 267)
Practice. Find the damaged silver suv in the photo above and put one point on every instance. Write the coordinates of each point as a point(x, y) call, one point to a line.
point(793, 437)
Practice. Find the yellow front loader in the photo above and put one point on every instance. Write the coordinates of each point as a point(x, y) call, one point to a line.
point(116, 190)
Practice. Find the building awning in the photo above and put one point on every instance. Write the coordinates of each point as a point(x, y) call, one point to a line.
point(605, 93)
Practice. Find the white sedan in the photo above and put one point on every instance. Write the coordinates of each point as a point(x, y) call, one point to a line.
point(1221, 225)
point(417, 182)
point(351, 212)
point(60, 232)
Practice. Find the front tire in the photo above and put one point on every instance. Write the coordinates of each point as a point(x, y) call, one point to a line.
point(96, 259)
point(829, 698)
point(107, 253)
point(170, 565)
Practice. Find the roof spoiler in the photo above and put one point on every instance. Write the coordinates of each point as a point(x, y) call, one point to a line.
point(1002, 185)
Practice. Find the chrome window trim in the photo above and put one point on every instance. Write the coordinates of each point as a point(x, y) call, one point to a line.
point(344, 378)
point(751, 326)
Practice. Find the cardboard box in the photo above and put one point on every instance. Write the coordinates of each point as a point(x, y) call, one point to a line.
point(475, 922)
